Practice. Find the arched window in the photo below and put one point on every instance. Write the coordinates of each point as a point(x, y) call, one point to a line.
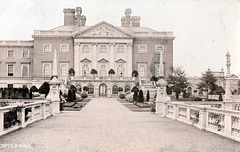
point(115, 89)
point(91, 89)
point(126, 88)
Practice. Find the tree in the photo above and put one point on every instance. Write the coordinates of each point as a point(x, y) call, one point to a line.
point(208, 82)
point(111, 72)
point(71, 72)
point(177, 81)
point(135, 95)
point(44, 89)
point(168, 90)
point(134, 73)
point(93, 72)
point(148, 96)
point(140, 97)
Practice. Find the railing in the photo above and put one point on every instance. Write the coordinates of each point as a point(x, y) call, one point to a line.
point(24, 43)
point(15, 117)
point(101, 78)
point(217, 120)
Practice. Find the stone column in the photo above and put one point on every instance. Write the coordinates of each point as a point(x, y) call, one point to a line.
point(129, 59)
point(94, 56)
point(77, 58)
point(112, 55)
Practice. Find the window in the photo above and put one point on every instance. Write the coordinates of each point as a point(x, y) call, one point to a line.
point(142, 49)
point(10, 70)
point(120, 70)
point(103, 71)
point(126, 88)
point(85, 70)
point(157, 71)
point(63, 69)
point(120, 49)
point(47, 48)
point(103, 49)
point(25, 54)
point(11, 54)
point(85, 48)
point(64, 48)
point(47, 69)
point(25, 70)
point(91, 89)
point(115, 89)
point(159, 48)
point(142, 69)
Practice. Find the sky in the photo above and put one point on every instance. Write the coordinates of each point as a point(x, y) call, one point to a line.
point(204, 30)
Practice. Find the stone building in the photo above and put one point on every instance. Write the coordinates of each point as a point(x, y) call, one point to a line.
point(102, 47)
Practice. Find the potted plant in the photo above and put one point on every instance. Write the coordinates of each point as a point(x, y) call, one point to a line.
point(94, 72)
point(111, 72)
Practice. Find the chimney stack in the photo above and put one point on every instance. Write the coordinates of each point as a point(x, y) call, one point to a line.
point(70, 19)
point(130, 21)
point(68, 16)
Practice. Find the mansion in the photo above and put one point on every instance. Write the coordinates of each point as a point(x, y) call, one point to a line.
point(102, 47)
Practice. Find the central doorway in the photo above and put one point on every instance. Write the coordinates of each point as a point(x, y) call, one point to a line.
point(102, 90)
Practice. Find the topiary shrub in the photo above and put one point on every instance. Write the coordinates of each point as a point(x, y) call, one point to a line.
point(134, 73)
point(140, 96)
point(148, 96)
point(84, 95)
point(71, 72)
point(135, 96)
point(44, 89)
point(122, 96)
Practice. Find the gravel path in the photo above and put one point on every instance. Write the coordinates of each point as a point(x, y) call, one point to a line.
point(105, 125)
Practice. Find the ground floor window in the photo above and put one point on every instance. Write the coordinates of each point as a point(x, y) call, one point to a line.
point(90, 89)
point(126, 88)
point(10, 70)
point(25, 70)
point(115, 89)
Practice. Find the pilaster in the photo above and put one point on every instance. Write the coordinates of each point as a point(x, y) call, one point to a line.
point(94, 55)
point(112, 56)
point(129, 59)
point(77, 58)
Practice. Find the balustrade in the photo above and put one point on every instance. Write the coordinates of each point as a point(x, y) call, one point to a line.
point(15, 117)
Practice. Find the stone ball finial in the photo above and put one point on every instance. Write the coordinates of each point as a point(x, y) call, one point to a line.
point(78, 10)
point(128, 12)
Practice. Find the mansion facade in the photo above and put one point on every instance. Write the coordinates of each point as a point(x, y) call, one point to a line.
point(102, 47)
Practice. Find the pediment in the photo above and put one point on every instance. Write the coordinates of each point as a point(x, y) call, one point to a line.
point(234, 76)
point(120, 61)
point(85, 60)
point(103, 29)
point(103, 60)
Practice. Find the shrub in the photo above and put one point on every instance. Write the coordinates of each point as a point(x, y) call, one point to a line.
point(84, 95)
point(122, 95)
point(140, 97)
point(44, 89)
point(134, 73)
point(93, 71)
point(148, 96)
point(85, 88)
point(197, 99)
point(135, 96)
point(120, 89)
point(71, 72)
point(154, 78)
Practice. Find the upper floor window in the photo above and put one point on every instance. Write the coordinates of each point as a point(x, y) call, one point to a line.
point(142, 49)
point(85, 48)
point(120, 70)
point(159, 48)
point(103, 49)
point(11, 54)
point(47, 48)
point(25, 70)
point(64, 48)
point(47, 69)
point(64, 69)
point(25, 54)
point(120, 49)
point(10, 69)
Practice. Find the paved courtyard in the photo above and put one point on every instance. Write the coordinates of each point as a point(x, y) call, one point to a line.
point(105, 125)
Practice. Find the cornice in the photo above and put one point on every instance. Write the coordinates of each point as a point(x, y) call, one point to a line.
point(156, 38)
point(15, 46)
point(51, 36)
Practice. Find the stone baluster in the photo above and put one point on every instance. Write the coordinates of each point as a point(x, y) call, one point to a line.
point(21, 117)
point(202, 118)
point(228, 124)
point(175, 111)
